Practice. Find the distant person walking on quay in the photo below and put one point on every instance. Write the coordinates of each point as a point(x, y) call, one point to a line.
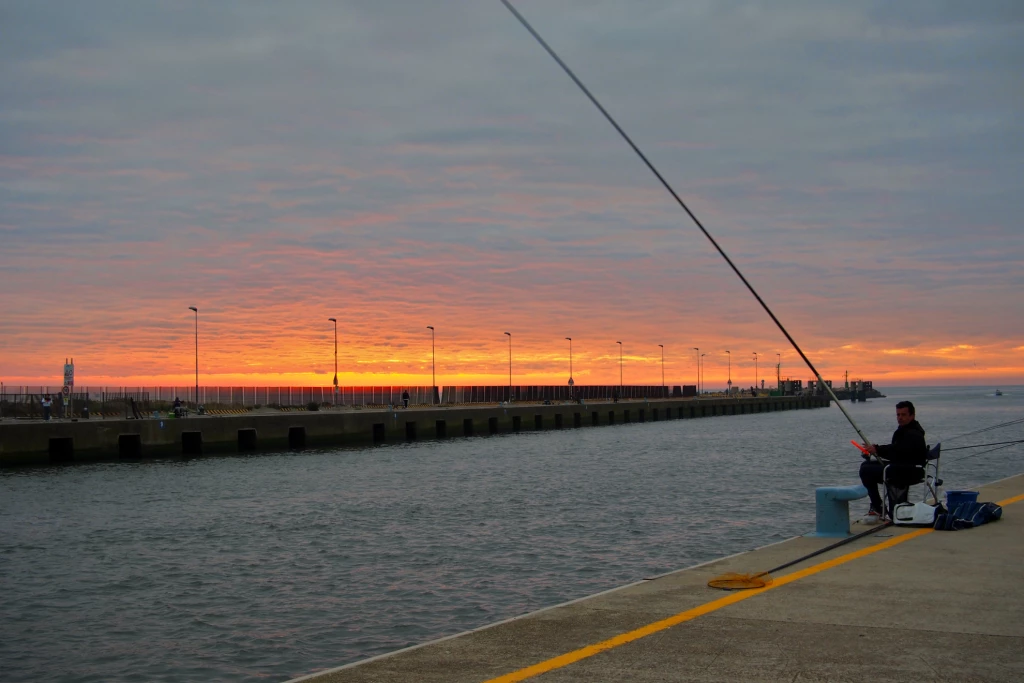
point(405, 398)
point(47, 403)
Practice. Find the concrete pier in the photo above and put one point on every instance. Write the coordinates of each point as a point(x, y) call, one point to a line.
point(903, 604)
point(39, 442)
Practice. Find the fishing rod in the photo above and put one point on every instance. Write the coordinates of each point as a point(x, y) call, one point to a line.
point(733, 581)
point(643, 157)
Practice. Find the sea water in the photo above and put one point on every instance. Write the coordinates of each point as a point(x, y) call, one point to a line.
point(273, 565)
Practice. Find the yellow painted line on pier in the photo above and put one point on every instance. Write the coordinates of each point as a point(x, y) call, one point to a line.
point(699, 611)
point(1008, 501)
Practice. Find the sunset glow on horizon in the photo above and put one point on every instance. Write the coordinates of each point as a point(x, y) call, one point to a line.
point(431, 166)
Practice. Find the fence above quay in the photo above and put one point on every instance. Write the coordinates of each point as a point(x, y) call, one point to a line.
point(25, 401)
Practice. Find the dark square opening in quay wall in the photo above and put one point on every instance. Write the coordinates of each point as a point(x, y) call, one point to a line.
point(297, 437)
point(247, 439)
point(129, 446)
point(467, 427)
point(492, 425)
point(440, 429)
point(191, 443)
point(410, 431)
point(379, 433)
point(62, 449)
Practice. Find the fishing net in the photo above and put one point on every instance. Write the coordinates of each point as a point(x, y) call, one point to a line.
point(738, 582)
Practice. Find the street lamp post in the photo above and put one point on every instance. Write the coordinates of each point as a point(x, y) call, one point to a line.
point(571, 383)
point(755, 369)
point(778, 371)
point(730, 371)
point(196, 311)
point(620, 366)
point(509, 335)
point(702, 387)
point(662, 365)
point(698, 369)
point(335, 321)
point(433, 378)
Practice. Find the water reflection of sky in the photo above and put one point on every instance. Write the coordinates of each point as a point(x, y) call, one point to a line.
point(274, 565)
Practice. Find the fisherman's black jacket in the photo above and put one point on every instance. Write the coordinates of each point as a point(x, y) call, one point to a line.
point(908, 445)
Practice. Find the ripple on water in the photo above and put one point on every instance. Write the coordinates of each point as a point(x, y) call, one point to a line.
point(271, 566)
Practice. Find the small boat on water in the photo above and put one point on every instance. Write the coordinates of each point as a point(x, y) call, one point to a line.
point(998, 393)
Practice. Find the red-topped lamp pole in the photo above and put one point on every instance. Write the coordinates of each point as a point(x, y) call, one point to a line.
point(662, 364)
point(570, 367)
point(433, 379)
point(335, 321)
point(730, 372)
point(620, 366)
point(509, 335)
point(698, 369)
point(196, 311)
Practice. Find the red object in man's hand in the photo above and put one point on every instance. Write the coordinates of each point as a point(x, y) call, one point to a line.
point(863, 450)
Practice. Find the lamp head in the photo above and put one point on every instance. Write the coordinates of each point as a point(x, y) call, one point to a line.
point(193, 308)
point(430, 327)
point(509, 333)
point(333, 320)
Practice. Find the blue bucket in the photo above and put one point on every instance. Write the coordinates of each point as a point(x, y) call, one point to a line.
point(956, 498)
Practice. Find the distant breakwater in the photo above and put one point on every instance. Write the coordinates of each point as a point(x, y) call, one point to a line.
point(67, 441)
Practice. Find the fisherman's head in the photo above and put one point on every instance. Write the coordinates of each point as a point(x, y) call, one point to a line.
point(904, 413)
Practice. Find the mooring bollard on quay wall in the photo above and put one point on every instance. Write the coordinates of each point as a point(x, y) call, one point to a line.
point(38, 442)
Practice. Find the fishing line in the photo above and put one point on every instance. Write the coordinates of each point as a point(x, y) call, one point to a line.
point(982, 445)
point(974, 455)
point(987, 429)
point(629, 141)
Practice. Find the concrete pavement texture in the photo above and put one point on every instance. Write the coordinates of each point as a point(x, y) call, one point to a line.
point(900, 605)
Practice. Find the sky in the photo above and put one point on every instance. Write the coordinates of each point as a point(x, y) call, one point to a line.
point(396, 164)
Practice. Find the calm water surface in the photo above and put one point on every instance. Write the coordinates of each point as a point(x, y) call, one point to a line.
point(274, 565)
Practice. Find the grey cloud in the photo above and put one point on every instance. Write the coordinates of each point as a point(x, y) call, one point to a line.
point(137, 119)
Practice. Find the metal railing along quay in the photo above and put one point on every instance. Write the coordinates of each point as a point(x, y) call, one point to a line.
point(26, 401)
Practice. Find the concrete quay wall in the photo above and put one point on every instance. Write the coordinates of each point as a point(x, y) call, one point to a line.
point(38, 442)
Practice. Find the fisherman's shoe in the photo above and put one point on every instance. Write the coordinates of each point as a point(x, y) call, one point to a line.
point(873, 517)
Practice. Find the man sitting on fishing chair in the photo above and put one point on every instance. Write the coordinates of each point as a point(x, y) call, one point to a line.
point(905, 458)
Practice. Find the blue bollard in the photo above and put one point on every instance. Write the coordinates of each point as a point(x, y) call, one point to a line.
point(832, 509)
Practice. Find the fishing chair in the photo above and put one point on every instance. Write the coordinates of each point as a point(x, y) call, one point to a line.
point(928, 474)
